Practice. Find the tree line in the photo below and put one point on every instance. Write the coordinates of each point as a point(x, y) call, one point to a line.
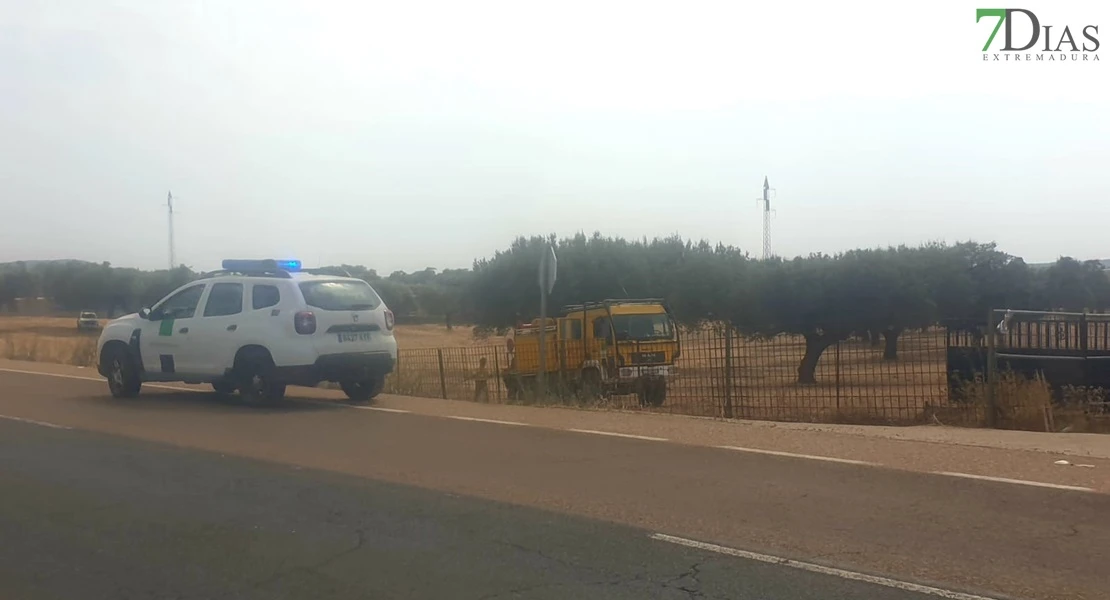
point(874, 293)
point(78, 285)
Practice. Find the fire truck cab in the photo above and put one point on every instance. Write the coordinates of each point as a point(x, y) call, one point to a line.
point(599, 349)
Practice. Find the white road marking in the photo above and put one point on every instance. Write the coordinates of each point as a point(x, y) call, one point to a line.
point(793, 455)
point(495, 421)
point(34, 422)
point(174, 388)
point(1056, 486)
point(623, 435)
point(377, 408)
point(815, 568)
point(589, 431)
point(171, 387)
point(52, 375)
point(97, 379)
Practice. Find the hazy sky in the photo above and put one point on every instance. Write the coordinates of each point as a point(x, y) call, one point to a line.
point(409, 134)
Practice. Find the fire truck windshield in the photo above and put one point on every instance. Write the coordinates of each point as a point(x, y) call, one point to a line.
point(635, 327)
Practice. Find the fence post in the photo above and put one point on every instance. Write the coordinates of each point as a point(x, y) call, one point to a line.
point(728, 373)
point(1083, 341)
point(992, 372)
point(562, 383)
point(497, 374)
point(837, 363)
point(391, 382)
point(442, 376)
point(1083, 333)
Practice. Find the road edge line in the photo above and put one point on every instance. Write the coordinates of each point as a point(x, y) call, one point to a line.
point(62, 375)
point(821, 569)
point(379, 409)
point(585, 431)
point(621, 435)
point(848, 461)
point(494, 421)
point(1042, 484)
point(35, 422)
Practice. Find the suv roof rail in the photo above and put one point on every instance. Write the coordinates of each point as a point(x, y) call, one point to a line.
point(328, 271)
point(225, 272)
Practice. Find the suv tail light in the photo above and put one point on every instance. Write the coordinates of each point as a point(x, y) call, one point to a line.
point(305, 322)
point(389, 321)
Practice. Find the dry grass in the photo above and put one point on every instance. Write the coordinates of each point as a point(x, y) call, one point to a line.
point(1020, 402)
point(77, 350)
point(48, 326)
point(1027, 404)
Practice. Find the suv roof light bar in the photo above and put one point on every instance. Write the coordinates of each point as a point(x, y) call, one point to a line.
point(266, 265)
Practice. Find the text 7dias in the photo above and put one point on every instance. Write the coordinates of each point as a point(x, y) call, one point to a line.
point(1065, 41)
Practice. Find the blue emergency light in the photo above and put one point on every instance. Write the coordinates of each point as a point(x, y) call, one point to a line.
point(269, 264)
point(289, 265)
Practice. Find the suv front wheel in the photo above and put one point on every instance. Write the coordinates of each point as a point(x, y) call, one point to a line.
point(122, 372)
point(364, 390)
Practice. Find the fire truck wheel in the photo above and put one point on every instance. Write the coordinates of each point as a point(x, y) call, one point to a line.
point(652, 393)
point(590, 388)
point(660, 395)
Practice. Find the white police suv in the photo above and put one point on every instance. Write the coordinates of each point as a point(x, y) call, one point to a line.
point(255, 326)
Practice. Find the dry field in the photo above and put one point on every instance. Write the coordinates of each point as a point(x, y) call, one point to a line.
point(854, 383)
point(57, 340)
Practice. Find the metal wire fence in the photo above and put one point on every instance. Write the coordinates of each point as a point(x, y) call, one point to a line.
point(721, 374)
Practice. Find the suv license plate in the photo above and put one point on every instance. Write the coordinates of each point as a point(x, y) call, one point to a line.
point(362, 336)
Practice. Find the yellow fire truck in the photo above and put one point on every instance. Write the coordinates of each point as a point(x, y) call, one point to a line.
point(598, 349)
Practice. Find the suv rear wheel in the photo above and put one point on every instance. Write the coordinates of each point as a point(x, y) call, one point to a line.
point(361, 391)
point(256, 383)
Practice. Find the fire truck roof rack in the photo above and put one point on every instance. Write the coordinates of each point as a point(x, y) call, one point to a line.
point(609, 302)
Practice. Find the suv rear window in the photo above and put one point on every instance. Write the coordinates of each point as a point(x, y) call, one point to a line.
point(340, 295)
point(264, 296)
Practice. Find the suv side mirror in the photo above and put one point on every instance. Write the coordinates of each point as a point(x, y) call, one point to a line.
point(144, 313)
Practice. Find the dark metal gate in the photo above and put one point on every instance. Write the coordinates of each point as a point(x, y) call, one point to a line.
point(1066, 349)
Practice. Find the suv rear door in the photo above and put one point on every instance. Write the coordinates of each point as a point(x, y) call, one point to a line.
point(350, 316)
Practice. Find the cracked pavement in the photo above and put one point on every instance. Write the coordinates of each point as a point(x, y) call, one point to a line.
point(86, 515)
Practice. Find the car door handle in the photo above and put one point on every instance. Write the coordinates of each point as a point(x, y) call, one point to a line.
point(183, 330)
point(232, 327)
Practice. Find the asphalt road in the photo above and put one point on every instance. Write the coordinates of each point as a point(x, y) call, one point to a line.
point(178, 494)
